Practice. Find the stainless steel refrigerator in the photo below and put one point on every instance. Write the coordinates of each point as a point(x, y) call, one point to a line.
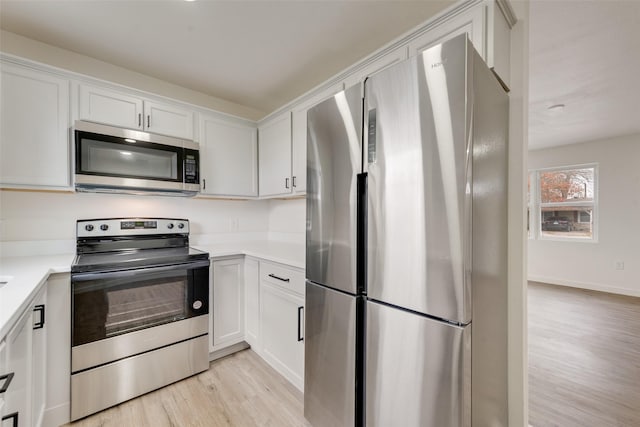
point(406, 256)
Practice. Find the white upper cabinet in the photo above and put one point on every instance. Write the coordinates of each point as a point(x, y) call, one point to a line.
point(228, 157)
point(488, 29)
point(124, 110)
point(168, 120)
point(274, 143)
point(34, 129)
point(109, 107)
point(299, 137)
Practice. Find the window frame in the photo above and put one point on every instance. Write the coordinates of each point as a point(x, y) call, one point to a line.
point(535, 204)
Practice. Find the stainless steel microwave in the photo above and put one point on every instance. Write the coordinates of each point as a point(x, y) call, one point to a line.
point(111, 159)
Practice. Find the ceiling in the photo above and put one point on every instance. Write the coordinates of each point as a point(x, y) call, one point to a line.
point(262, 54)
point(585, 55)
point(259, 54)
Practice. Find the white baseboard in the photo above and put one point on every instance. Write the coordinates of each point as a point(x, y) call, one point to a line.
point(218, 354)
point(588, 286)
point(57, 415)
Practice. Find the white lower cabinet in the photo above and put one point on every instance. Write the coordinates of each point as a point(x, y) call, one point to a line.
point(252, 302)
point(282, 320)
point(58, 355)
point(24, 369)
point(39, 359)
point(226, 305)
point(17, 399)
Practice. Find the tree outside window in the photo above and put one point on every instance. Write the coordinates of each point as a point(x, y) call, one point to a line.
point(565, 200)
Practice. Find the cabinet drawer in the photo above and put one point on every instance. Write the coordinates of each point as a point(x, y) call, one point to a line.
point(284, 277)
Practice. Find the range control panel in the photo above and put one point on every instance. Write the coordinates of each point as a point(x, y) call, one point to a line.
point(131, 226)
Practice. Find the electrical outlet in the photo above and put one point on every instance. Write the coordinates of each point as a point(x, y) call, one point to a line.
point(234, 224)
point(619, 265)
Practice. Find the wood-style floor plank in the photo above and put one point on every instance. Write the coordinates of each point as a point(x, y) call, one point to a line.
point(584, 358)
point(239, 390)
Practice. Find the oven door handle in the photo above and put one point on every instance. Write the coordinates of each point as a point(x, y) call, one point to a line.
point(85, 277)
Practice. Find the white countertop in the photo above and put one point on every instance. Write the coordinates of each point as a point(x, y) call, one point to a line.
point(292, 254)
point(28, 273)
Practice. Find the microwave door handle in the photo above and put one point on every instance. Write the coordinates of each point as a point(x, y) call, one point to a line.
point(85, 277)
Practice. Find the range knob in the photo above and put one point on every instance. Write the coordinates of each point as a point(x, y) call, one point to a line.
point(170, 225)
point(181, 225)
point(104, 227)
point(88, 227)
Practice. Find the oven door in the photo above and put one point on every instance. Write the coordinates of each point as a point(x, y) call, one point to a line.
point(111, 304)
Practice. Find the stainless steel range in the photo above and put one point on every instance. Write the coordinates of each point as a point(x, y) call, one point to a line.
point(140, 304)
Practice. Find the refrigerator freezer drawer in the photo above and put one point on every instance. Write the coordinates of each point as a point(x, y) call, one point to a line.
point(418, 370)
point(330, 360)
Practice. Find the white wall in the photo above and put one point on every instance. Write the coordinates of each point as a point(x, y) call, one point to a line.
point(590, 265)
point(49, 218)
point(17, 45)
point(287, 220)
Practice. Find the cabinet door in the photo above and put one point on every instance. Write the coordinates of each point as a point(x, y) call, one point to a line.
point(274, 143)
point(3, 374)
point(470, 21)
point(228, 303)
point(19, 350)
point(299, 138)
point(228, 158)
point(168, 120)
point(58, 356)
point(252, 302)
point(282, 330)
point(110, 107)
point(39, 360)
point(34, 132)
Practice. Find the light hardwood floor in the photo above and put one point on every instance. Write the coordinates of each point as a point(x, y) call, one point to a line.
point(238, 390)
point(584, 358)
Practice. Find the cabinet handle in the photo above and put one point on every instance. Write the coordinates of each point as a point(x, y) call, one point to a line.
point(139, 119)
point(39, 324)
point(7, 381)
point(13, 417)
point(300, 310)
point(204, 184)
point(148, 121)
point(279, 278)
point(293, 182)
point(286, 183)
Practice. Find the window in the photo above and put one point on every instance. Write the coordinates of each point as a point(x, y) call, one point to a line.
point(562, 202)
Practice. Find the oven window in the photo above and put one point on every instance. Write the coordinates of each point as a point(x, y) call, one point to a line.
point(111, 306)
point(112, 159)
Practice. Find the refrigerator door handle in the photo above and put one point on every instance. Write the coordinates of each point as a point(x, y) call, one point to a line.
point(300, 310)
